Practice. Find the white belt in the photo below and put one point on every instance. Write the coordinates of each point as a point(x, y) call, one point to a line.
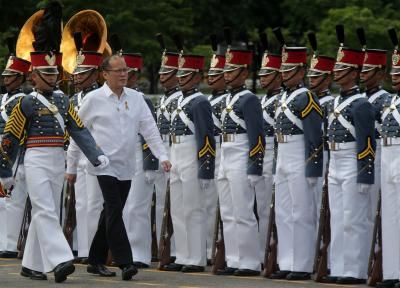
point(389, 141)
point(217, 139)
point(178, 139)
point(165, 137)
point(335, 146)
point(281, 138)
point(234, 137)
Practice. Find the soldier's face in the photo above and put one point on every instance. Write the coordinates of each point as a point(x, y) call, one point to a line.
point(132, 79)
point(216, 82)
point(319, 83)
point(396, 82)
point(117, 73)
point(44, 82)
point(12, 82)
point(293, 77)
point(189, 81)
point(85, 79)
point(169, 80)
point(236, 77)
point(371, 78)
point(345, 77)
point(271, 81)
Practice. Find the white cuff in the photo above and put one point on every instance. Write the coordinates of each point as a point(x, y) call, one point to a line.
point(163, 158)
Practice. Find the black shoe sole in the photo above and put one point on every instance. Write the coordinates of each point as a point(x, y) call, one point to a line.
point(67, 271)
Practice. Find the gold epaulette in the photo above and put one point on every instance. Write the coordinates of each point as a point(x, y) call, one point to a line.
point(16, 124)
point(310, 106)
point(74, 115)
point(258, 148)
point(207, 148)
point(367, 151)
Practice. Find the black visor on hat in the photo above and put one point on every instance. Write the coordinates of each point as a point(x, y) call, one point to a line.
point(395, 70)
point(166, 70)
point(48, 70)
point(341, 67)
point(266, 71)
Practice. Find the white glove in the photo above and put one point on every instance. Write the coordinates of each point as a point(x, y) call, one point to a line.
point(205, 183)
point(104, 161)
point(8, 183)
point(150, 176)
point(363, 188)
point(253, 179)
point(312, 181)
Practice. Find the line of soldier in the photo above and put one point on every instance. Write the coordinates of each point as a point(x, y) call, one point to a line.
point(221, 147)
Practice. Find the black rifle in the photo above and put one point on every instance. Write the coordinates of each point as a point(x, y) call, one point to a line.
point(164, 252)
point(271, 249)
point(23, 232)
point(218, 247)
point(375, 255)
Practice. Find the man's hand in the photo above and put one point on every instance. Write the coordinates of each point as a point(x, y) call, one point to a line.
point(166, 165)
point(104, 161)
point(7, 186)
point(71, 178)
point(150, 176)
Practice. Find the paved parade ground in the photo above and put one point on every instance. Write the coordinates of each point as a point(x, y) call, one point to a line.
point(10, 268)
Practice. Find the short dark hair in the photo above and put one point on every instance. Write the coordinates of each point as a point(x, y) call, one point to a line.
point(105, 65)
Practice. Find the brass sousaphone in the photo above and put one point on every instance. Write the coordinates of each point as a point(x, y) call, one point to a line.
point(93, 28)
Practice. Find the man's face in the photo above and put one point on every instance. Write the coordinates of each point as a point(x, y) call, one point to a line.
point(12, 82)
point(189, 81)
point(168, 80)
point(344, 77)
point(371, 78)
point(270, 81)
point(133, 77)
point(116, 74)
point(44, 82)
point(396, 82)
point(85, 79)
point(293, 77)
point(235, 78)
point(319, 83)
point(216, 82)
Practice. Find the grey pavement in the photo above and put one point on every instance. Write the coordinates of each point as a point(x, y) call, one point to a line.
point(10, 268)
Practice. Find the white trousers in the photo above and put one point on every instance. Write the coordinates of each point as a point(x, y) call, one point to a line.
point(187, 204)
point(391, 211)
point(94, 206)
point(264, 195)
point(351, 230)
point(294, 208)
point(46, 246)
point(211, 199)
point(236, 197)
point(81, 207)
point(160, 185)
point(15, 206)
point(137, 212)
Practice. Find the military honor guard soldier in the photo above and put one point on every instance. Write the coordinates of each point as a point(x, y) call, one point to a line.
point(390, 180)
point(87, 201)
point(371, 76)
point(216, 81)
point(320, 78)
point(167, 105)
point(299, 164)
point(14, 76)
point(45, 117)
point(271, 82)
point(193, 155)
point(137, 217)
point(242, 153)
point(351, 132)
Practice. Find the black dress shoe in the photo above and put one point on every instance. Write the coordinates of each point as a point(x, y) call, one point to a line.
point(62, 270)
point(192, 269)
point(84, 260)
point(209, 262)
point(172, 267)
point(34, 275)
point(100, 269)
point(390, 283)
point(329, 279)
point(397, 285)
point(279, 274)
point(128, 272)
point(246, 272)
point(8, 254)
point(226, 271)
point(350, 280)
point(298, 276)
point(140, 264)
